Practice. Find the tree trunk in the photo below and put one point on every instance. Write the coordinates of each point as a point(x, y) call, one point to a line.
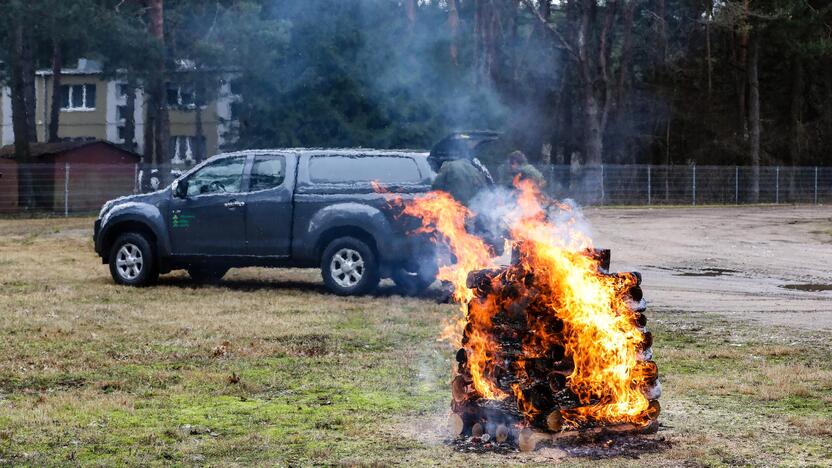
point(199, 139)
point(796, 113)
point(453, 26)
point(149, 160)
point(743, 70)
point(130, 118)
point(20, 121)
point(410, 7)
point(161, 119)
point(28, 66)
point(709, 63)
point(55, 109)
point(754, 117)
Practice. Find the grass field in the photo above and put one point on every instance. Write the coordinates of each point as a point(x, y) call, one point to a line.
point(266, 368)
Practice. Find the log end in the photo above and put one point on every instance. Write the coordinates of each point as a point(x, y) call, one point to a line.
point(501, 433)
point(554, 422)
point(455, 424)
point(528, 439)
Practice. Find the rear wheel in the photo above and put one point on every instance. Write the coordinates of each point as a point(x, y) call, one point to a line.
point(412, 283)
point(207, 274)
point(349, 267)
point(133, 260)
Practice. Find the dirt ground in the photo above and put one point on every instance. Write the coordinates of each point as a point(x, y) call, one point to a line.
point(740, 262)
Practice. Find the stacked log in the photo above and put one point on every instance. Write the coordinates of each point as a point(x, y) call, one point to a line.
point(532, 379)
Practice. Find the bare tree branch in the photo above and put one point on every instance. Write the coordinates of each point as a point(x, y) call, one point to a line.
point(563, 42)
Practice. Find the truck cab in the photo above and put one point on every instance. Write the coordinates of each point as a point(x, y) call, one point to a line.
point(275, 208)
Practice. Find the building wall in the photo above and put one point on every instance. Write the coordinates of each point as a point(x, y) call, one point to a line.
point(102, 122)
point(6, 129)
point(8, 186)
point(73, 123)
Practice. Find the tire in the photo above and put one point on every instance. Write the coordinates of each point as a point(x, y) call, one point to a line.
point(349, 267)
point(207, 274)
point(410, 283)
point(133, 260)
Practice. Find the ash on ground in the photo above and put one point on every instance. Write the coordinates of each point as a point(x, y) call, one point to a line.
point(594, 448)
point(478, 445)
point(629, 446)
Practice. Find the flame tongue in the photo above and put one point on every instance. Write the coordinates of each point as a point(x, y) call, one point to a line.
point(548, 325)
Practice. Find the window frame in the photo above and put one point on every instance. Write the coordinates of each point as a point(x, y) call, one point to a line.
point(369, 182)
point(250, 170)
point(71, 88)
point(182, 90)
point(243, 176)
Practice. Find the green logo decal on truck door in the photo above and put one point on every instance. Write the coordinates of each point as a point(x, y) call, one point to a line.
point(181, 220)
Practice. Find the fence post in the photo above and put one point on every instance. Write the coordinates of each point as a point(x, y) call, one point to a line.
point(649, 186)
point(603, 191)
point(694, 185)
point(66, 189)
point(816, 185)
point(777, 185)
point(737, 185)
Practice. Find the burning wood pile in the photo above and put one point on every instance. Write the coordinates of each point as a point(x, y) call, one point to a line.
point(518, 368)
point(552, 345)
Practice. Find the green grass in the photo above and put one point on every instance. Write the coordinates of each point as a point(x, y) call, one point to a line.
point(267, 369)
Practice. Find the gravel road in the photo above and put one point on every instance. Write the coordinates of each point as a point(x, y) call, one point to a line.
point(768, 264)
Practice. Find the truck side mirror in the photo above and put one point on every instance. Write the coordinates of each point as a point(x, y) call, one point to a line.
point(180, 188)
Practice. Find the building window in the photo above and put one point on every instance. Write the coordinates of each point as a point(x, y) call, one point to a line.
point(236, 108)
point(235, 87)
point(121, 89)
point(78, 97)
point(181, 96)
point(121, 113)
point(184, 148)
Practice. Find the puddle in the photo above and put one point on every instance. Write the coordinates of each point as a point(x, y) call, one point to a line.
point(809, 287)
point(708, 272)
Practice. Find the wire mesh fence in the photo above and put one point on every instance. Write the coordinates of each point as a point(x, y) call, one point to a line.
point(68, 188)
point(689, 185)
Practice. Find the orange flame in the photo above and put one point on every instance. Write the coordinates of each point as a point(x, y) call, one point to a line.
point(599, 332)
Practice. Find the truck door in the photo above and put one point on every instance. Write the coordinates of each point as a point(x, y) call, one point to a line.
point(210, 219)
point(270, 206)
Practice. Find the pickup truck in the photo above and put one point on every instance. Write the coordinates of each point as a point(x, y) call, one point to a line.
point(275, 208)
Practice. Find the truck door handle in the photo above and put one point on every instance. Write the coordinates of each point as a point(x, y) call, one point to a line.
point(235, 204)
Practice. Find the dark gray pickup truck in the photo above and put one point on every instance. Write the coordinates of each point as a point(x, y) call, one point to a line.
point(280, 208)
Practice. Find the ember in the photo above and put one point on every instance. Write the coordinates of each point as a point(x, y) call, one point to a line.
point(553, 342)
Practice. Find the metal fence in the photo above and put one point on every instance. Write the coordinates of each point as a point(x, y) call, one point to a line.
point(689, 185)
point(64, 188)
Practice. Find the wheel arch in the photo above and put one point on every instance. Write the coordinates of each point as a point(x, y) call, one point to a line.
point(336, 232)
point(124, 226)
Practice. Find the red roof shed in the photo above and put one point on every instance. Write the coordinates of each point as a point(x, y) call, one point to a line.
point(89, 172)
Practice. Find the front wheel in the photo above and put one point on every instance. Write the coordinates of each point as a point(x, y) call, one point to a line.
point(132, 260)
point(349, 267)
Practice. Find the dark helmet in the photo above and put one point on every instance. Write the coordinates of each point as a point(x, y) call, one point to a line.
point(459, 145)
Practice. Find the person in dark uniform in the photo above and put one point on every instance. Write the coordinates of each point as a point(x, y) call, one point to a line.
point(462, 176)
point(520, 168)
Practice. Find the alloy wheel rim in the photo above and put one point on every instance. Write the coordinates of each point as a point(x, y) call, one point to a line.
point(346, 267)
point(129, 261)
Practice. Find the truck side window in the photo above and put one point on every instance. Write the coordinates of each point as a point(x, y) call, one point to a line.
point(267, 172)
point(223, 176)
point(351, 169)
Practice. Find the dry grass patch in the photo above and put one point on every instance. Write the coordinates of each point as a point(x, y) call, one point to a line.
point(266, 368)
